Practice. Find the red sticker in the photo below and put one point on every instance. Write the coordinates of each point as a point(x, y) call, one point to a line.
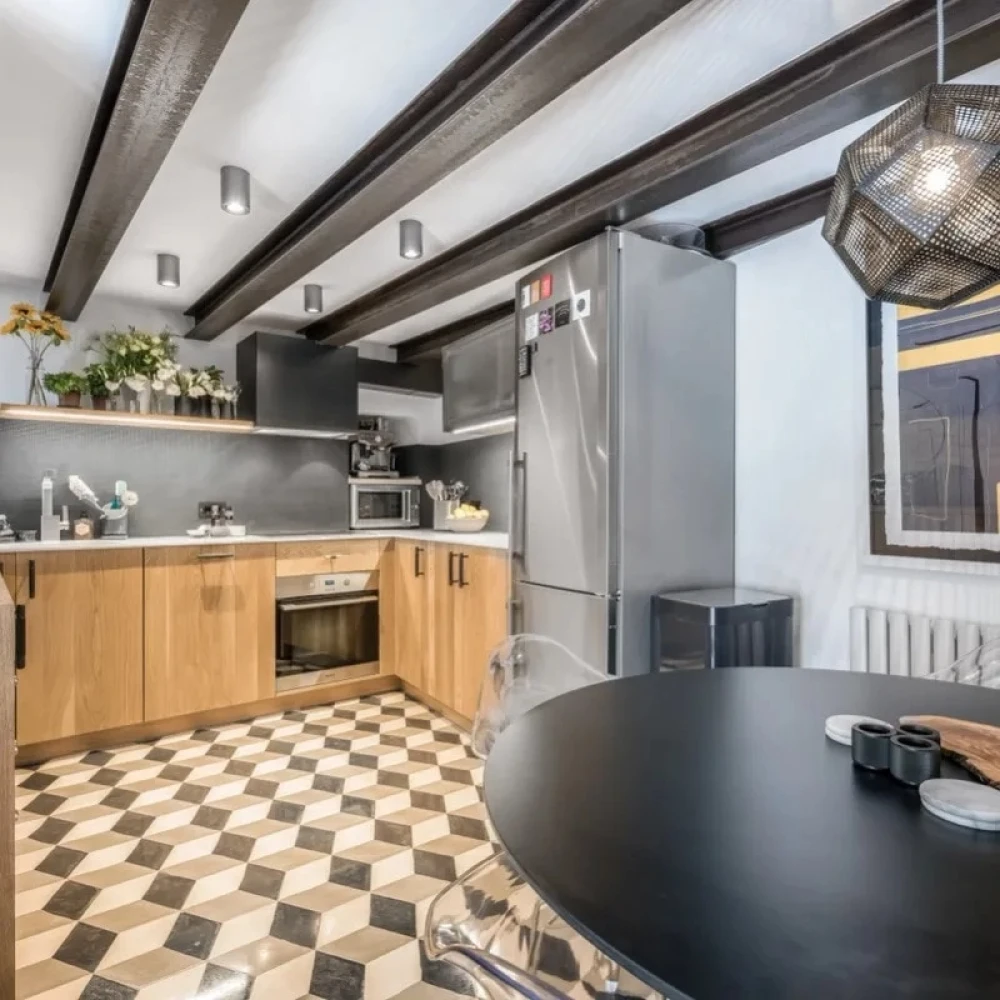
point(546, 285)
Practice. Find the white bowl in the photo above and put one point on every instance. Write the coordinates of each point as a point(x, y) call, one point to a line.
point(466, 525)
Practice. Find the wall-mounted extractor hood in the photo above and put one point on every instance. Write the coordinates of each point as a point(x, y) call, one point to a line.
point(296, 387)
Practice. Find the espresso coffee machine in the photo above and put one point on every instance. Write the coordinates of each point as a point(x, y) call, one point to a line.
point(372, 456)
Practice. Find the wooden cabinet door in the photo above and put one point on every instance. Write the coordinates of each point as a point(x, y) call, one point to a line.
point(350, 555)
point(412, 611)
point(83, 629)
point(209, 617)
point(439, 645)
point(479, 622)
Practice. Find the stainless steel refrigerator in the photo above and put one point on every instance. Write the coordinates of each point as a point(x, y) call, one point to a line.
point(624, 455)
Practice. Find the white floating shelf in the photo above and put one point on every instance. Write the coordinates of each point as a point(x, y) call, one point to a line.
point(72, 415)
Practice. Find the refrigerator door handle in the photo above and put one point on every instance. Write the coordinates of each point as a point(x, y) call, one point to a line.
point(519, 522)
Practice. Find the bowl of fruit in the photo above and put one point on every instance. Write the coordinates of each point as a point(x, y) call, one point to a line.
point(467, 517)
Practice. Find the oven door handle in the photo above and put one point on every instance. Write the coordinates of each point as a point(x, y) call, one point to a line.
point(320, 605)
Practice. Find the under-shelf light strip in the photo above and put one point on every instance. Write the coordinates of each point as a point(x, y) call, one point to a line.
point(486, 425)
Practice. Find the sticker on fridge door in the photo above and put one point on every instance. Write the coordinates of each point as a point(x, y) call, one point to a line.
point(562, 313)
point(580, 306)
point(525, 296)
point(546, 321)
point(530, 327)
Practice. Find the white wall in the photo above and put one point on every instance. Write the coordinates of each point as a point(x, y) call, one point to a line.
point(801, 456)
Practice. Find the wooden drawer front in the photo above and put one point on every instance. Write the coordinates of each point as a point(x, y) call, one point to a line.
point(303, 558)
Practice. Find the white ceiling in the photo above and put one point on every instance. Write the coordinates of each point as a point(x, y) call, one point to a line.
point(304, 83)
point(55, 56)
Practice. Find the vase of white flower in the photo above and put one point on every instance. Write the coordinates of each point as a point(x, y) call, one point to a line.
point(138, 360)
point(166, 388)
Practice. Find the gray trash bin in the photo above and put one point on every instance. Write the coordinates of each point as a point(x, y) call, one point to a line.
point(723, 627)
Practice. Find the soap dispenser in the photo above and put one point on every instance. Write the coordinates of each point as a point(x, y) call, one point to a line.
point(49, 528)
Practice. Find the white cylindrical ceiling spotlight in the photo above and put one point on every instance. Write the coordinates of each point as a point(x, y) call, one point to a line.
point(168, 270)
point(411, 239)
point(313, 295)
point(235, 190)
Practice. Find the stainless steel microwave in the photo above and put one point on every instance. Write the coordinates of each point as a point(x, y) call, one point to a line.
point(385, 503)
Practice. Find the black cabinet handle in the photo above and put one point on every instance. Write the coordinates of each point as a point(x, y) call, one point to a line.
point(20, 637)
point(451, 569)
point(462, 582)
point(417, 569)
point(31, 579)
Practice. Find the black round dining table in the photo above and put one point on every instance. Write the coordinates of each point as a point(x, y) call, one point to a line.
point(701, 829)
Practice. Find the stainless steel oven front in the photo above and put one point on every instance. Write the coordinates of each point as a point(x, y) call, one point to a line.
point(327, 628)
point(385, 503)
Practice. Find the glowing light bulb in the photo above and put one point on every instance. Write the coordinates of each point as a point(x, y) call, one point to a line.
point(938, 173)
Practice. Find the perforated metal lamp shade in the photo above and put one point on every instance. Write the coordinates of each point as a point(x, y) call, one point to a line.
point(915, 210)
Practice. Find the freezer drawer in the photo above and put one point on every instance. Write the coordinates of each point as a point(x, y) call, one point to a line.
point(581, 622)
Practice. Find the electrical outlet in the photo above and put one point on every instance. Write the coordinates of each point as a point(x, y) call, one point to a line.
point(205, 508)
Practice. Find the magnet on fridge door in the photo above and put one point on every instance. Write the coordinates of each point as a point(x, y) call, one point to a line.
point(562, 312)
point(525, 296)
point(546, 282)
point(536, 291)
point(546, 321)
point(580, 305)
point(530, 327)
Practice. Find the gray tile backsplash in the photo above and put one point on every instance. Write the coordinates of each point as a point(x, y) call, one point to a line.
point(481, 463)
point(273, 483)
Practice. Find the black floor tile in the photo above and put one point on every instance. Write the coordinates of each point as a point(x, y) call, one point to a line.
point(169, 890)
point(100, 988)
point(336, 978)
point(262, 881)
point(85, 946)
point(219, 983)
point(292, 923)
point(150, 854)
point(61, 861)
point(193, 935)
point(71, 900)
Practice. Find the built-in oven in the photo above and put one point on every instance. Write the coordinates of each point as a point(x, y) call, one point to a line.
point(327, 628)
point(385, 503)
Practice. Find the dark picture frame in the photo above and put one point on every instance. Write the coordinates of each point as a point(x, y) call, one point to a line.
point(877, 493)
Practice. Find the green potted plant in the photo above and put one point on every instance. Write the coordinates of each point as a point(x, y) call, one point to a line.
point(68, 386)
point(98, 376)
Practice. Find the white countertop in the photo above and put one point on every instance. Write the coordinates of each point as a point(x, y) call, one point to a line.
point(481, 539)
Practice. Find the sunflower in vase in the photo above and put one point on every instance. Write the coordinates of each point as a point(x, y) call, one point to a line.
point(38, 331)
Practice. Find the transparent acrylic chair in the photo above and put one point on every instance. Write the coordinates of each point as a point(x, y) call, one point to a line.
point(979, 667)
point(490, 923)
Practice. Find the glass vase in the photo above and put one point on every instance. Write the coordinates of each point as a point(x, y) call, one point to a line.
point(36, 391)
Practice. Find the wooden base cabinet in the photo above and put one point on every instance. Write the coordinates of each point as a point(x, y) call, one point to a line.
point(450, 611)
point(83, 668)
point(209, 616)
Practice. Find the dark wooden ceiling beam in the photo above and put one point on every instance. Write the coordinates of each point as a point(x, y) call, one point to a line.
point(165, 54)
point(768, 219)
point(429, 345)
point(534, 53)
point(879, 62)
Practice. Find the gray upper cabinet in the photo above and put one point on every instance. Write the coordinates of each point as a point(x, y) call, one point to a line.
point(479, 376)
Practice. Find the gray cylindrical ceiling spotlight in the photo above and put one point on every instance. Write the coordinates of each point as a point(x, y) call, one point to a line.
point(168, 270)
point(235, 190)
point(411, 239)
point(313, 298)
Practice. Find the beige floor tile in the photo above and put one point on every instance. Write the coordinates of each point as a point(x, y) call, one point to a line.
point(167, 815)
point(462, 852)
point(412, 774)
point(265, 836)
point(411, 736)
point(183, 749)
point(158, 975)
point(32, 890)
point(49, 980)
point(471, 766)
point(37, 936)
point(219, 786)
point(88, 821)
point(358, 739)
point(138, 928)
point(386, 862)
point(242, 918)
point(424, 991)
point(382, 799)
point(417, 890)
point(386, 723)
point(243, 809)
point(342, 910)
point(117, 885)
point(302, 869)
point(390, 960)
point(242, 746)
point(265, 762)
point(353, 777)
point(347, 830)
point(67, 773)
point(186, 843)
point(152, 790)
point(29, 854)
point(202, 767)
point(103, 849)
point(133, 771)
point(279, 968)
point(446, 796)
point(326, 759)
point(213, 876)
point(80, 796)
point(411, 827)
point(285, 782)
point(129, 752)
point(315, 804)
point(26, 824)
point(298, 743)
point(379, 756)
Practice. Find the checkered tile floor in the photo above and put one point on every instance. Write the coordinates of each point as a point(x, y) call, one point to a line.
point(295, 856)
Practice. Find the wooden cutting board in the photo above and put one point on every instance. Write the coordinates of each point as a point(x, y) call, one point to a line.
point(974, 746)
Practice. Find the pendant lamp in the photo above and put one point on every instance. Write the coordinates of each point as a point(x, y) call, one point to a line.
point(915, 208)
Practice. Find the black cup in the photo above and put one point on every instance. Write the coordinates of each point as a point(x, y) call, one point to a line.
point(913, 759)
point(870, 745)
point(923, 732)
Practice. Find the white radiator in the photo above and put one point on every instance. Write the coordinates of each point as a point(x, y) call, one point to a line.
point(909, 645)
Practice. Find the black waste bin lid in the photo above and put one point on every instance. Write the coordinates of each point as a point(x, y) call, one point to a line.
point(721, 605)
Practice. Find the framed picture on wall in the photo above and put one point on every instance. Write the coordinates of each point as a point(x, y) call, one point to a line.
point(934, 430)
